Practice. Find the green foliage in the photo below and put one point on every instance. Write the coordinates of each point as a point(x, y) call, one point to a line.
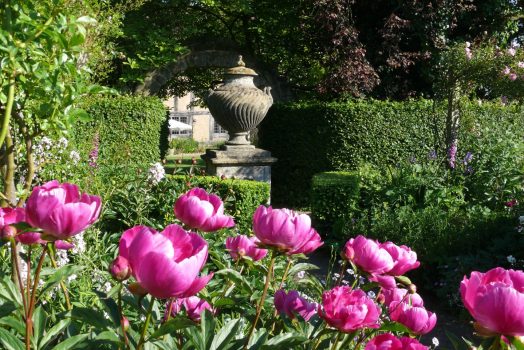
point(334, 196)
point(183, 145)
point(311, 137)
point(126, 128)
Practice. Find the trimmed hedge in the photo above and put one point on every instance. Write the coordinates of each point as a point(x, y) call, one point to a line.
point(334, 195)
point(128, 129)
point(312, 137)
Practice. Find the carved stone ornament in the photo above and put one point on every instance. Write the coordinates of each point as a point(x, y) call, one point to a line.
point(238, 105)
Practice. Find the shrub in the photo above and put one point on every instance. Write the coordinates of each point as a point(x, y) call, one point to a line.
point(184, 145)
point(125, 130)
point(334, 196)
point(133, 200)
point(312, 137)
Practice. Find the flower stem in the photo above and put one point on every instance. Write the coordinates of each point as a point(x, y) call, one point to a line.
point(262, 298)
point(14, 258)
point(288, 266)
point(62, 284)
point(334, 347)
point(342, 269)
point(29, 314)
point(126, 341)
point(146, 324)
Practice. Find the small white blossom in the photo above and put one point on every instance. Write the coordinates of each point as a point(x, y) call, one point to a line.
point(301, 274)
point(435, 342)
point(350, 271)
point(511, 259)
point(71, 278)
point(106, 316)
point(62, 144)
point(61, 258)
point(156, 173)
point(79, 244)
point(371, 294)
point(74, 156)
point(107, 287)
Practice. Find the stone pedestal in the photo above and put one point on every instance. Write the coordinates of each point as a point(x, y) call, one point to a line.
point(242, 162)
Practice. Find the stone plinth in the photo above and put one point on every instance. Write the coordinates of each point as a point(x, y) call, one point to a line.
point(242, 162)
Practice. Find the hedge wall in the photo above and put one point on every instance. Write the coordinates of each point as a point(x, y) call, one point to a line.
point(128, 130)
point(334, 195)
point(312, 137)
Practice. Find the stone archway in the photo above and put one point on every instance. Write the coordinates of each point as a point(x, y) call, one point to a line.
point(156, 79)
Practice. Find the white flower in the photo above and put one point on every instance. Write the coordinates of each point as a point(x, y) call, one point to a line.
point(350, 271)
point(435, 342)
point(71, 278)
point(301, 274)
point(511, 259)
point(512, 51)
point(79, 244)
point(371, 294)
point(156, 173)
point(62, 144)
point(61, 258)
point(107, 287)
point(74, 156)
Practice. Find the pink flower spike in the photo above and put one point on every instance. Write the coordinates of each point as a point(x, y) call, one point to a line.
point(60, 210)
point(292, 303)
point(285, 230)
point(202, 211)
point(368, 255)
point(241, 246)
point(495, 299)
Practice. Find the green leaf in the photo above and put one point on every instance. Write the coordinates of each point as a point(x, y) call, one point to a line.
point(258, 339)
point(7, 308)
point(236, 277)
point(172, 325)
point(517, 343)
point(301, 267)
point(110, 336)
point(90, 316)
point(86, 20)
point(284, 341)
point(9, 292)
point(9, 341)
point(59, 275)
point(71, 342)
point(54, 332)
point(225, 334)
point(13, 323)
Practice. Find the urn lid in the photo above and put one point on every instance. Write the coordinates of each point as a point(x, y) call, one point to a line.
point(241, 69)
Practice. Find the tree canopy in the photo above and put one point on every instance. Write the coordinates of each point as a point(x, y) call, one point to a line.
point(380, 48)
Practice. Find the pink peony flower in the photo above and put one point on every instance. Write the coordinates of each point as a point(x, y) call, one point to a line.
point(10, 216)
point(385, 281)
point(495, 299)
point(368, 255)
point(388, 341)
point(348, 310)
point(412, 344)
point(511, 203)
point(60, 210)
point(202, 211)
point(285, 230)
point(241, 246)
point(416, 318)
point(165, 264)
point(194, 307)
point(401, 295)
point(292, 303)
point(404, 258)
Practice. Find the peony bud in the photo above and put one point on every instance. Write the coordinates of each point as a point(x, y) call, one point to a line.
point(125, 323)
point(8, 232)
point(120, 269)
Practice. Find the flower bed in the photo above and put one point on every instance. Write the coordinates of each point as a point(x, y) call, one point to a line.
point(198, 285)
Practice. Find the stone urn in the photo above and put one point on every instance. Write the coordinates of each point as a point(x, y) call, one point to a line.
point(238, 105)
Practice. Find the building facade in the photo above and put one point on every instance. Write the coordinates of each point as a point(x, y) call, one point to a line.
point(198, 123)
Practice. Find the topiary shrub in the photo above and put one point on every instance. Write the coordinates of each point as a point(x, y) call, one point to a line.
point(333, 196)
point(125, 130)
